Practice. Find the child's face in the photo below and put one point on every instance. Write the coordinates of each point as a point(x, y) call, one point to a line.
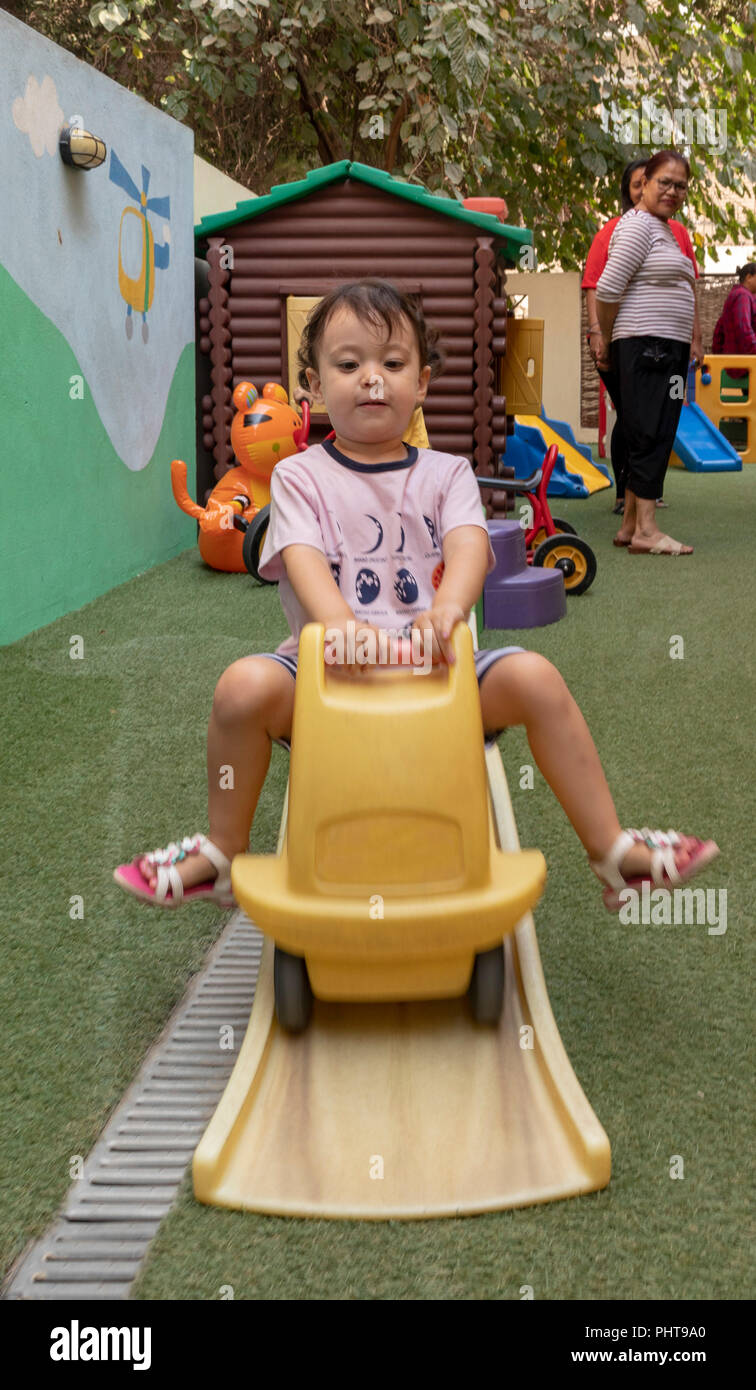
point(370, 382)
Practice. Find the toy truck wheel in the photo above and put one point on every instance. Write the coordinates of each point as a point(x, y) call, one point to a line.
point(563, 527)
point(573, 557)
point(293, 991)
point(253, 543)
point(486, 991)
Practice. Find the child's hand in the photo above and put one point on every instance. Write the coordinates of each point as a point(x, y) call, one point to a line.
point(442, 618)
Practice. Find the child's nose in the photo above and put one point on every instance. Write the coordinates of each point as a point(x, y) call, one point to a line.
point(375, 384)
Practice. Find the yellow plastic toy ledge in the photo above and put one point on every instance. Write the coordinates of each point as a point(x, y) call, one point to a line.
point(392, 1109)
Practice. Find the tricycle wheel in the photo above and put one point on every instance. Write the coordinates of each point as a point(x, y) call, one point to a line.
point(292, 990)
point(563, 528)
point(486, 990)
point(254, 537)
point(573, 557)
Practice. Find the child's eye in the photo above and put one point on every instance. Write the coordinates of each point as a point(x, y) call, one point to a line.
point(395, 362)
point(347, 366)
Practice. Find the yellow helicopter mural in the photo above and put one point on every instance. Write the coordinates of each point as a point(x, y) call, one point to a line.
point(138, 290)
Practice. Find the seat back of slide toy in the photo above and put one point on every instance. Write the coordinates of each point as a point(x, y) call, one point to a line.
point(391, 877)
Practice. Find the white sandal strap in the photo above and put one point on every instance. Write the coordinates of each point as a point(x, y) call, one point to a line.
point(164, 861)
point(215, 855)
point(168, 877)
point(663, 861)
point(608, 868)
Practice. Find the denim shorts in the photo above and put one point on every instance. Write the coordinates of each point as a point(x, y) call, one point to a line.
point(484, 660)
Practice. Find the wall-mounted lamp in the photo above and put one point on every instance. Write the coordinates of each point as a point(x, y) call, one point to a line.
point(78, 148)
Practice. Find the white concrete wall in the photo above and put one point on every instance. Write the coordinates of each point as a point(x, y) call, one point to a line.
point(554, 296)
point(214, 191)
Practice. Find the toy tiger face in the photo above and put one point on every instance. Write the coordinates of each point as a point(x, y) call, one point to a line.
point(264, 429)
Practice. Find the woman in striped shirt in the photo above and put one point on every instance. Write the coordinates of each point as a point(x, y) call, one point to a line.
point(646, 308)
point(631, 189)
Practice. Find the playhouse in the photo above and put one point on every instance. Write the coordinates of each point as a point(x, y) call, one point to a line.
point(271, 258)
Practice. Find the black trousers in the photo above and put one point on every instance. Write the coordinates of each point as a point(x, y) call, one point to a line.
point(618, 447)
point(651, 374)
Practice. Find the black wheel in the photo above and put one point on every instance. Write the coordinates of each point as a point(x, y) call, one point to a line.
point(486, 991)
point(253, 543)
point(563, 527)
point(292, 990)
point(573, 557)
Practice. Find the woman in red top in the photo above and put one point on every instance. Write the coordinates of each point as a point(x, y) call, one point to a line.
point(631, 188)
point(735, 331)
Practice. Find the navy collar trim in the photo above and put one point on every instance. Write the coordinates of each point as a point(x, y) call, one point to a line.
point(336, 454)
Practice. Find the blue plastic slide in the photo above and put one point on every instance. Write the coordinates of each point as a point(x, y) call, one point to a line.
point(700, 446)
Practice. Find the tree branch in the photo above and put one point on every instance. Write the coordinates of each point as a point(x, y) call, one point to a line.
point(400, 115)
point(328, 145)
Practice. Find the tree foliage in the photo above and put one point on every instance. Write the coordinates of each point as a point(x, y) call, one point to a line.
point(536, 100)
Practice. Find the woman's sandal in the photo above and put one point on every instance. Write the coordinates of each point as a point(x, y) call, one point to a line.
point(130, 876)
point(673, 548)
point(675, 858)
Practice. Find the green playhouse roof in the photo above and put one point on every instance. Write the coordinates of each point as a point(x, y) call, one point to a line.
point(512, 237)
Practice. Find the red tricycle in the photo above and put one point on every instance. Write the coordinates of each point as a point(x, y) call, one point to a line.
point(548, 540)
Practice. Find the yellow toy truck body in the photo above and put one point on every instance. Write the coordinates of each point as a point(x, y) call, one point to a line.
point(391, 878)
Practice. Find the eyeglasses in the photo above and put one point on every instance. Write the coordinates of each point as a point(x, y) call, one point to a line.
point(666, 184)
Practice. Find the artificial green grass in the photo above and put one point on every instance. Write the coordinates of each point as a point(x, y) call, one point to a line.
point(105, 757)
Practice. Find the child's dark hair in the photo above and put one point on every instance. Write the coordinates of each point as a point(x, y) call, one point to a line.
point(373, 301)
point(745, 270)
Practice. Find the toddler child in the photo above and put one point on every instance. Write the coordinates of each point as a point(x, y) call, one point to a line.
point(369, 531)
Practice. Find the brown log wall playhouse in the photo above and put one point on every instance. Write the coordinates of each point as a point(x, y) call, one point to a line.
point(271, 257)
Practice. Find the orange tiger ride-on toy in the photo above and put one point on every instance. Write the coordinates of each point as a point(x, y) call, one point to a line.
point(233, 524)
point(391, 884)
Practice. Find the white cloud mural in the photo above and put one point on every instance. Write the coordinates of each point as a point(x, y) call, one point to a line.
point(38, 114)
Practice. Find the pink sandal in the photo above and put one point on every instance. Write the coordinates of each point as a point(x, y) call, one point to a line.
point(130, 876)
point(675, 858)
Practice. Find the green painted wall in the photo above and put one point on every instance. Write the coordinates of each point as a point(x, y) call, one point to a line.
point(74, 520)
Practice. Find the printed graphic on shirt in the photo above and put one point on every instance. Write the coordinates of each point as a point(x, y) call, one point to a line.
point(379, 541)
point(336, 571)
point(400, 547)
point(367, 587)
point(431, 531)
point(405, 587)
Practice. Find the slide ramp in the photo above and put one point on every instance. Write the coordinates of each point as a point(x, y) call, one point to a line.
point(405, 1111)
point(701, 447)
point(575, 475)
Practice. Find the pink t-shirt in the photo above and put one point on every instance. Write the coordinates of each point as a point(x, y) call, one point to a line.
point(381, 527)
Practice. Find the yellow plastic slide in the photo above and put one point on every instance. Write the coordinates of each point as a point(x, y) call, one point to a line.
point(398, 1110)
point(574, 461)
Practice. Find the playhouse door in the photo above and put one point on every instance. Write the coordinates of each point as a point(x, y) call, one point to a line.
point(298, 306)
point(522, 368)
point(297, 309)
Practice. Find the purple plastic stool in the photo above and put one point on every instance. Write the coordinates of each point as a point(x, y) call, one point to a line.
point(517, 594)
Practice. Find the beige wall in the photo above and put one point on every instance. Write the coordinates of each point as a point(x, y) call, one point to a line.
point(214, 191)
point(555, 298)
